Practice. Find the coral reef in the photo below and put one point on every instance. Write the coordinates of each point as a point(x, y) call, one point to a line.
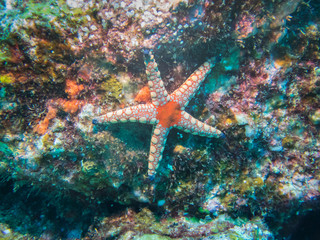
point(64, 63)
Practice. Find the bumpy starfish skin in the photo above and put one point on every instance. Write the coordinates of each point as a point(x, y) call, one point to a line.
point(165, 111)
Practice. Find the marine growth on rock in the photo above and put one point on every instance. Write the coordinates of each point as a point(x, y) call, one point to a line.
point(244, 75)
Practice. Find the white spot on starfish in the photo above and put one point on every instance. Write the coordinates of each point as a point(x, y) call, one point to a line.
point(154, 140)
point(152, 149)
point(128, 111)
point(143, 120)
point(157, 132)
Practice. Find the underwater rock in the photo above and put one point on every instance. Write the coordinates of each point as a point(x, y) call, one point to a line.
point(144, 225)
point(63, 63)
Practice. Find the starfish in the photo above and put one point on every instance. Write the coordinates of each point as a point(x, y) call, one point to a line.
point(165, 111)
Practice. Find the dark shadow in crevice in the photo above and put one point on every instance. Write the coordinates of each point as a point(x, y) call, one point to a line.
point(35, 211)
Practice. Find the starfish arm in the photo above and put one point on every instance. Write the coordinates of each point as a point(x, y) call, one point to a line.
point(159, 94)
point(158, 141)
point(191, 125)
point(143, 113)
point(186, 91)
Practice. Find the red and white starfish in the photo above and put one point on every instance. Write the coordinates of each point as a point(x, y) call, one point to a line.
point(165, 111)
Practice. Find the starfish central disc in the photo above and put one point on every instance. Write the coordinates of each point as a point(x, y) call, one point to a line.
point(169, 114)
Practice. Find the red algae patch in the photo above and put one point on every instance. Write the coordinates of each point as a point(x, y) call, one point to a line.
point(42, 127)
point(70, 106)
point(143, 95)
point(72, 88)
point(169, 114)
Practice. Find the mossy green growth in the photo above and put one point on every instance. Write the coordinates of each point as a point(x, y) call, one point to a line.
point(202, 210)
point(147, 220)
point(6, 79)
point(112, 88)
point(75, 16)
point(43, 10)
point(90, 167)
point(289, 141)
point(50, 9)
point(152, 237)
point(249, 184)
point(77, 12)
point(92, 176)
point(47, 14)
point(5, 54)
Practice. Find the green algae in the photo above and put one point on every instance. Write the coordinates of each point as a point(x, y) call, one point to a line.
point(152, 237)
point(89, 167)
point(46, 14)
point(6, 79)
point(112, 88)
point(5, 54)
point(40, 10)
point(248, 184)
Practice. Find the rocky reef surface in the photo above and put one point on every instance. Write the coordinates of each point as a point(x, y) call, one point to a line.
point(63, 63)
